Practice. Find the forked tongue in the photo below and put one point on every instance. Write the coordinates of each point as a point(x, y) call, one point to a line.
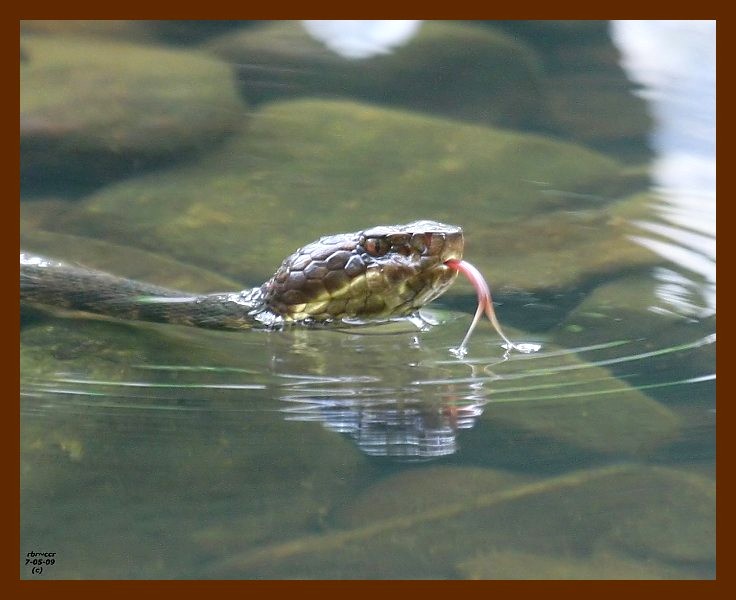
point(485, 305)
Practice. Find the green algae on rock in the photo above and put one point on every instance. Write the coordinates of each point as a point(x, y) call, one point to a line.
point(93, 110)
point(307, 168)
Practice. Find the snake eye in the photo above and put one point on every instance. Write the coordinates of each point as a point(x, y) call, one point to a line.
point(376, 246)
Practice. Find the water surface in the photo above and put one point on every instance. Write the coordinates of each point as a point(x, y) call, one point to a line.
point(579, 159)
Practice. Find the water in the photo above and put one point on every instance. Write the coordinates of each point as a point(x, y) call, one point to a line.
point(582, 171)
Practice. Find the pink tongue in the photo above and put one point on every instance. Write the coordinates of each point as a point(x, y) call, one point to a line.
point(485, 304)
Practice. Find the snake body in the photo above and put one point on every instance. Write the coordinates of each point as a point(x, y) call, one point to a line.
point(371, 275)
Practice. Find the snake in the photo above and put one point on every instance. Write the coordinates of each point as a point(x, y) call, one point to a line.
point(377, 274)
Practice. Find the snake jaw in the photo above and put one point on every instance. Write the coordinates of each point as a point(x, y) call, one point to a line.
point(377, 274)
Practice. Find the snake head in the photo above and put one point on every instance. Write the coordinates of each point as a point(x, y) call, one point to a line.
point(375, 274)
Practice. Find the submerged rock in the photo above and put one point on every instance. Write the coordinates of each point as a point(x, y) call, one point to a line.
point(667, 310)
point(412, 491)
point(132, 31)
point(566, 518)
point(561, 77)
point(190, 31)
point(670, 346)
point(446, 68)
point(185, 32)
point(560, 399)
point(589, 95)
point(565, 247)
point(169, 437)
point(310, 168)
point(124, 261)
point(504, 564)
point(549, 410)
point(93, 110)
